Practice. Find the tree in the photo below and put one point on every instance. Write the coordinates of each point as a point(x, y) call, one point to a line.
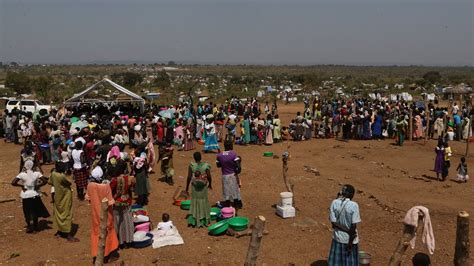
point(129, 79)
point(43, 87)
point(432, 77)
point(19, 82)
point(171, 63)
point(162, 79)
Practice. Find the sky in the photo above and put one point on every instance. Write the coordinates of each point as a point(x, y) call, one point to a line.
point(351, 32)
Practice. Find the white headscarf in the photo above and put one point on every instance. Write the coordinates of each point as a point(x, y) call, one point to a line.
point(97, 174)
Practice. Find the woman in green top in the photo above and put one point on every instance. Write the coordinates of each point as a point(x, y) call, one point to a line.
point(62, 201)
point(199, 175)
point(246, 129)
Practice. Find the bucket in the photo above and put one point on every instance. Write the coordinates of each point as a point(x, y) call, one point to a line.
point(286, 199)
point(364, 258)
point(228, 212)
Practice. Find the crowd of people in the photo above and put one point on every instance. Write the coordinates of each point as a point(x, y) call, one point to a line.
point(109, 152)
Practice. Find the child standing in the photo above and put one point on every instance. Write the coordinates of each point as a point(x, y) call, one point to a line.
point(167, 169)
point(462, 171)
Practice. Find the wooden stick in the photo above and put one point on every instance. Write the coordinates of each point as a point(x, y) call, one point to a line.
point(427, 123)
point(469, 129)
point(7, 200)
point(177, 192)
point(236, 234)
point(285, 158)
point(410, 124)
point(461, 251)
point(254, 246)
point(409, 232)
point(104, 207)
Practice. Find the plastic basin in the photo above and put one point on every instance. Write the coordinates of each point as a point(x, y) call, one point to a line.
point(238, 223)
point(218, 228)
point(215, 212)
point(268, 154)
point(145, 243)
point(186, 204)
point(191, 220)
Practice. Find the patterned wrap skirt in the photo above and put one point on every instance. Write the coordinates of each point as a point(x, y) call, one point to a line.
point(230, 187)
point(123, 224)
point(339, 256)
point(80, 177)
point(210, 143)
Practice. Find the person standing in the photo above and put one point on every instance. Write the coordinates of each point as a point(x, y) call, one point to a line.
point(439, 160)
point(401, 130)
point(344, 216)
point(276, 129)
point(142, 184)
point(418, 132)
point(462, 171)
point(62, 201)
point(79, 169)
point(268, 130)
point(97, 190)
point(121, 186)
point(167, 169)
point(199, 176)
point(447, 160)
point(210, 143)
point(33, 208)
point(229, 162)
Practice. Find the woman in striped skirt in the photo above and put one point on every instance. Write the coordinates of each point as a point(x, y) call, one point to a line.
point(79, 172)
point(121, 189)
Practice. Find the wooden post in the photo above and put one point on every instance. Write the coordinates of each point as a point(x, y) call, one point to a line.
point(254, 246)
point(469, 129)
point(104, 206)
point(427, 124)
point(409, 232)
point(285, 158)
point(410, 125)
point(461, 252)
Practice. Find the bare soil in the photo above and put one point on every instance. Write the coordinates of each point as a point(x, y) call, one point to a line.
point(389, 180)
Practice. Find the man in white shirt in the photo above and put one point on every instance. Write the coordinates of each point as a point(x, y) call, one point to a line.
point(344, 216)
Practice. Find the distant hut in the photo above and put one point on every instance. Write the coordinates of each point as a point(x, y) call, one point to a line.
point(460, 91)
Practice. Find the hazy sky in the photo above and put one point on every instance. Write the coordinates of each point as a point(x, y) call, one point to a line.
point(428, 32)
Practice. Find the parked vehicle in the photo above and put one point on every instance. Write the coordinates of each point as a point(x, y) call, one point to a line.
point(27, 105)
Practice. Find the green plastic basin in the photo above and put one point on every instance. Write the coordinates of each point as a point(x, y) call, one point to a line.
point(215, 212)
point(268, 154)
point(191, 219)
point(218, 228)
point(186, 204)
point(238, 223)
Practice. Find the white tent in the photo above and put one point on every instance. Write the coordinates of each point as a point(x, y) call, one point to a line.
point(92, 95)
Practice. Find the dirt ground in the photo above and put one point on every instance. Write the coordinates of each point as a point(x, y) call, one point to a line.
point(389, 180)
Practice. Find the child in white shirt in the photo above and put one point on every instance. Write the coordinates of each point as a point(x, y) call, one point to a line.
point(166, 224)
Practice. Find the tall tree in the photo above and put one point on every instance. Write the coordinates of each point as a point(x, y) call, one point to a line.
point(43, 87)
point(432, 77)
point(129, 79)
point(19, 82)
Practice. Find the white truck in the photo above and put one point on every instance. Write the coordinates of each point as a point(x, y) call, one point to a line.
point(27, 105)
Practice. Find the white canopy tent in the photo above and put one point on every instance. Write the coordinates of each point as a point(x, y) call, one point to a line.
point(91, 95)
